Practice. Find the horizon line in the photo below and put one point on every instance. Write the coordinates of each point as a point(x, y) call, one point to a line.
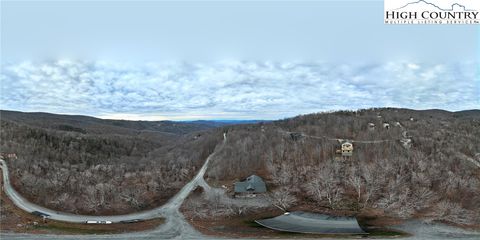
point(233, 119)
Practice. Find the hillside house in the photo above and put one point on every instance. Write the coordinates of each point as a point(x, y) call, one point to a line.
point(406, 142)
point(250, 187)
point(8, 155)
point(296, 136)
point(347, 149)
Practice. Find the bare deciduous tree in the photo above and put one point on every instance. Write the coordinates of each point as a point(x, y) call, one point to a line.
point(356, 182)
point(324, 186)
point(281, 198)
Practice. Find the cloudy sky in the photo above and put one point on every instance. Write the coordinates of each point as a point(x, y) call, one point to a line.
point(186, 60)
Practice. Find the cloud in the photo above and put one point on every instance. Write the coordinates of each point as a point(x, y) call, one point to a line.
point(233, 89)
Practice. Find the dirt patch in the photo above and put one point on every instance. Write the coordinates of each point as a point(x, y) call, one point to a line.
point(13, 219)
point(236, 227)
point(377, 224)
point(78, 228)
point(376, 218)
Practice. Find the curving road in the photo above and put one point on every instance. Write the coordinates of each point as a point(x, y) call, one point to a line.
point(25, 205)
point(170, 209)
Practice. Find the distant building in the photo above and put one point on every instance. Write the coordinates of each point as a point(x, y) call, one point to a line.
point(8, 155)
point(347, 149)
point(371, 126)
point(406, 142)
point(251, 186)
point(296, 136)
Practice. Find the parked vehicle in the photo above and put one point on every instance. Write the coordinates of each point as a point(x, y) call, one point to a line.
point(98, 222)
point(40, 214)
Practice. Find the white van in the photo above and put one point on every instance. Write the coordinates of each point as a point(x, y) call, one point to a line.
point(98, 222)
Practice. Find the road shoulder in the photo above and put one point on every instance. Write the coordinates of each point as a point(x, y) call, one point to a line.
point(13, 219)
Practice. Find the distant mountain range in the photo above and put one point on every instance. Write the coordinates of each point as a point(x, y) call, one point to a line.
point(84, 124)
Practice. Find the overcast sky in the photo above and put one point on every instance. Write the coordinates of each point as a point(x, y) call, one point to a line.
point(228, 60)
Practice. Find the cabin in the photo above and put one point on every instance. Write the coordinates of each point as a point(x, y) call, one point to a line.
point(406, 142)
point(347, 149)
point(296, 136)
point(8, 155)
point(250, 187)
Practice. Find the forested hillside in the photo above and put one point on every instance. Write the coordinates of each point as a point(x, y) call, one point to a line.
point(86, 124)
point(427, 166)
point(87, 165)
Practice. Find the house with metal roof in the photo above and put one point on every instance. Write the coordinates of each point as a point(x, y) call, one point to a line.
point(251, 186)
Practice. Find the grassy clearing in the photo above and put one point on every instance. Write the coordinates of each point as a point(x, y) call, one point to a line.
point(69, 230)
point(252, 223)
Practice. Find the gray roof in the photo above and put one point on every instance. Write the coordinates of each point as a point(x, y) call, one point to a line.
point(253, 184)
point(303, 222)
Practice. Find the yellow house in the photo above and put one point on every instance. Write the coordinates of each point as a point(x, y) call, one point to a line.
point(347, 149)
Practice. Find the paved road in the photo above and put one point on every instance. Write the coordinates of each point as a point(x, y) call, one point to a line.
point(303, 222)
point(170, 209)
